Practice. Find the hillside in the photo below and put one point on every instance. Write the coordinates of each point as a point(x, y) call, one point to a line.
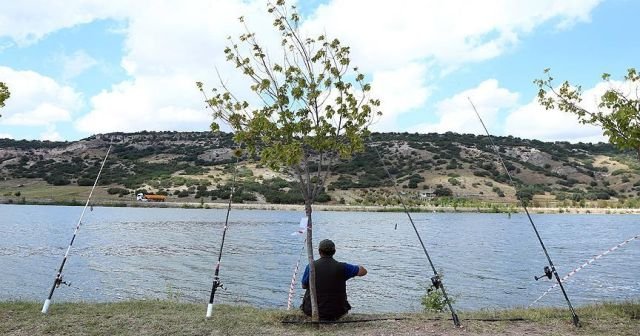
point(429, 169)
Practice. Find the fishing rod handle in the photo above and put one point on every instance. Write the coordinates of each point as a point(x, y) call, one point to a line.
point(209, 310)
point(45, 307)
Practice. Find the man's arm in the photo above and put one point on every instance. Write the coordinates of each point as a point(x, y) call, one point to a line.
point(305, 278)
point(351, 271)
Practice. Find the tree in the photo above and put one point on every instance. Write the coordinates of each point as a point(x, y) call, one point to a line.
point(618, 112)
point(4, 94)
point(314, 107)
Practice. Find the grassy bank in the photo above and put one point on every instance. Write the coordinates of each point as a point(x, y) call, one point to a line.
point(170, 318)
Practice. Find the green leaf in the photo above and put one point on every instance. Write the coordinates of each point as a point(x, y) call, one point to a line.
point(214, 127)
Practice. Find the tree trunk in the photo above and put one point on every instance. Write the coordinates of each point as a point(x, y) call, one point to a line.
point(312, 268)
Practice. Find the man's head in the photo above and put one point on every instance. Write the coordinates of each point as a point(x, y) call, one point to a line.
point(327, 248)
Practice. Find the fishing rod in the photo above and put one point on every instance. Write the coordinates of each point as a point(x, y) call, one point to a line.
point(216, 277)
point(58, 279)
point(436, 279)
point(550, 270)
point(585, 264)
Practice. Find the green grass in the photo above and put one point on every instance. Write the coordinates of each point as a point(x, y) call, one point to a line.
point(133, 318)
point(171, 318)
point(41, 191)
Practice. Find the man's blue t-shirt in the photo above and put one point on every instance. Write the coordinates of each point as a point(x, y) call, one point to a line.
point(349, 272)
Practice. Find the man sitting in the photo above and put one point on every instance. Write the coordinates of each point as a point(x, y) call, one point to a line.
point(331, 283)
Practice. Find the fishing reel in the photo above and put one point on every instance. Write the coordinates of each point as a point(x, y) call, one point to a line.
point(60, 282)
point(217, 284)
point(436, 282)
point(547, 273)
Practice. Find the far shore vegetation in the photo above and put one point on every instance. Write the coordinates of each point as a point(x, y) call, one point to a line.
point(176, 318)
point(40, 193)
point(433, 172)
point(472, 208)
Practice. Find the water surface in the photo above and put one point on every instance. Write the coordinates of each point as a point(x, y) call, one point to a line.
point(488, 260)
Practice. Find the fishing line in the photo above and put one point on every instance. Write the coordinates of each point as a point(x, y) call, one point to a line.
point(216, 278)
point(436, 280)
point(293, 277)
point(548, 270)
point(585, 264)
point(58, 279)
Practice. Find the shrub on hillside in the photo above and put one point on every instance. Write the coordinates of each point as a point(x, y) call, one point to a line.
point(85, 181)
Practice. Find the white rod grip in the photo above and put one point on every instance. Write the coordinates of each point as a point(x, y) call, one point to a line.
point(45, 308)
point(209, 310)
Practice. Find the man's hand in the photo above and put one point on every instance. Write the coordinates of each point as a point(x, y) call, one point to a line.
point(361, 271)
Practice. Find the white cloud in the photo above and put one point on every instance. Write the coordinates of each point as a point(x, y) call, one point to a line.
point(36, 100)
point(6, 136)
point(432, 38)
point(51, 134)
point(162, 94)
point(387, 34)
point(28, 21)
point(162, 103)
point(170, 45)
point(456, 113)
point(77, 63)
point(534, 121)
point(192, 37)
point(43, 114)
point(400, 91)
point(382, 32)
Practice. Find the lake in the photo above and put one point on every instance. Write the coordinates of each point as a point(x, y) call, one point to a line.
point(488, 260)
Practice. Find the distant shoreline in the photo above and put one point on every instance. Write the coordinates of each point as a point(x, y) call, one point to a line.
point(336, 207)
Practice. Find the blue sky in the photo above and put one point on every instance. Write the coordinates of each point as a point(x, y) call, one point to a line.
point(86, 67)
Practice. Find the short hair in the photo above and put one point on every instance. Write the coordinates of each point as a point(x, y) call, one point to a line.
point(327, 247)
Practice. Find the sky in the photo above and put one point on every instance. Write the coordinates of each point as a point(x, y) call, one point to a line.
point(81, 67)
